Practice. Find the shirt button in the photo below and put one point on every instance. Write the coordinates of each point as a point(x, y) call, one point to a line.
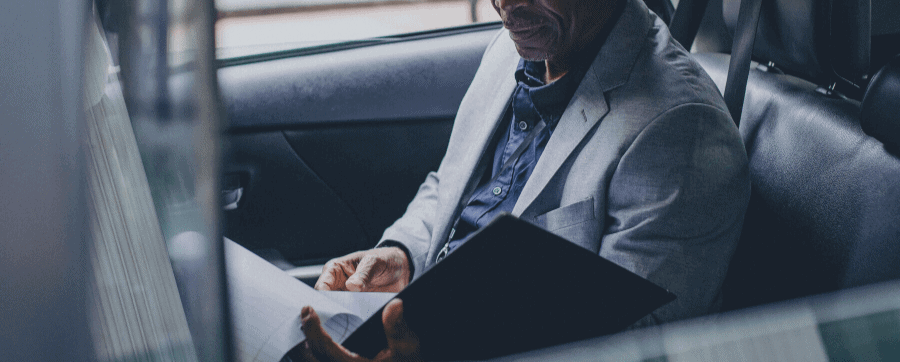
point(523, 126)
point(497, 190)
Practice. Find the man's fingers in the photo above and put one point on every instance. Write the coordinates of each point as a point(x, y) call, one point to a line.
point(375, 270)
point(402, 342)
point(320, 343)
point(332, 278)
point(336, 271)
point(312, 326)
point(360, 280)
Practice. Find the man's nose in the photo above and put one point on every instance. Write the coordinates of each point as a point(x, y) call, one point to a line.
point(510, 4)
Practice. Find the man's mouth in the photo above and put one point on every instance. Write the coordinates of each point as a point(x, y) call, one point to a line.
point(522, 30)
point(528, 33)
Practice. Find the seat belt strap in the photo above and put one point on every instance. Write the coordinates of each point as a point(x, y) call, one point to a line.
point(741, 52)
point(686, 21)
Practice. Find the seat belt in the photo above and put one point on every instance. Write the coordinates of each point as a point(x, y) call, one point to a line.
point(741, 51)
point(686, 21)
point(685, 25)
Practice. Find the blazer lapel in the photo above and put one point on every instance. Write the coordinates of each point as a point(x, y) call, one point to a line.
point(587, 107)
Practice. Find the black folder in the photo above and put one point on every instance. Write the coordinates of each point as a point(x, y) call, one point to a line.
point(511, 288)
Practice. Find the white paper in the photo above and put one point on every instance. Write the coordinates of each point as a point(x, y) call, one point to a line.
point(266, 304)
point(363, 305)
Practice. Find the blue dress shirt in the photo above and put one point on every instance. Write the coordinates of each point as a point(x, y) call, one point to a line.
point(532, 102)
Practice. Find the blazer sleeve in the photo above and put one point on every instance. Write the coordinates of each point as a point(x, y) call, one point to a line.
point(413, 231)
point(676, 206)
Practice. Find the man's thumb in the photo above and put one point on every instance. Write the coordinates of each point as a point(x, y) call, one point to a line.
point(359, 281)
point(403, 343)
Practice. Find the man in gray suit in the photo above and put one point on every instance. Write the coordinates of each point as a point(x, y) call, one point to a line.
point(589, 120)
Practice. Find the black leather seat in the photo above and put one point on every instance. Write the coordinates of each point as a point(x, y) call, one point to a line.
point(825, 207)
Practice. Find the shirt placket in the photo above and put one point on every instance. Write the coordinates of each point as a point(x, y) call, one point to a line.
point(498, 190)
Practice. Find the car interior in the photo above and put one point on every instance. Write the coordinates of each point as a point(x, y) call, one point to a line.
point(326, 146)
point(329, 146)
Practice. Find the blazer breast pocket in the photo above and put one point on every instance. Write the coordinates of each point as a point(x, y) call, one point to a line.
point(565, 216)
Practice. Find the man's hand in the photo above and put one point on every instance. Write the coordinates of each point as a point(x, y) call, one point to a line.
point(403, 345)
point(375, 270)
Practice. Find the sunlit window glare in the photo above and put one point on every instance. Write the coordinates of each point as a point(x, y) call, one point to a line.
point(244, 30)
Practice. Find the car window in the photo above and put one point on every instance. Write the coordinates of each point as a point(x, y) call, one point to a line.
point(248, 27)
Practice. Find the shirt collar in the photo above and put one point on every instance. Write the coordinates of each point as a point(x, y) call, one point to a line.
point(549, 100)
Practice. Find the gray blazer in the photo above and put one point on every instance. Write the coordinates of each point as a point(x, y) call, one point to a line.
point(645, 167)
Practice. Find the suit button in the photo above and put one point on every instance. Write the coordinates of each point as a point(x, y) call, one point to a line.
point(523, 126)
point(497, 190)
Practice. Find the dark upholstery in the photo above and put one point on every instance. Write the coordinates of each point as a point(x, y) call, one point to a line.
point(885, 32)
point(825, 207)
point(885, 17)
point(800, 37)
point(880, 114)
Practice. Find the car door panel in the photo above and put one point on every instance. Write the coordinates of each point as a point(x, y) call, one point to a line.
point(413, 79)
point(375, 170)
point(330, 147)
point(275, 210)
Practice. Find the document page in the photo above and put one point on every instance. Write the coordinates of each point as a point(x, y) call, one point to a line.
point(266, 304)
point(362, 305)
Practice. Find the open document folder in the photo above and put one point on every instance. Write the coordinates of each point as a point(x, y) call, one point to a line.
point(515, 287)
point(512, 287)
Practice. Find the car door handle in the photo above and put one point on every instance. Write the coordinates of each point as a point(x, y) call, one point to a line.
point(232, 198)
point(233, 191)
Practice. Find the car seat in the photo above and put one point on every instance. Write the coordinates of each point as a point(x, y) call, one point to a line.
point(825, 193)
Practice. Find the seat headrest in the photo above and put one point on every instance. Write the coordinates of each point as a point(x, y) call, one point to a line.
point(885, 31)
point(880, 107)
point(823, 41)
point(884, 17)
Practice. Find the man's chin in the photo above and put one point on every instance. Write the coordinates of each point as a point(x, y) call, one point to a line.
point(532, 54)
